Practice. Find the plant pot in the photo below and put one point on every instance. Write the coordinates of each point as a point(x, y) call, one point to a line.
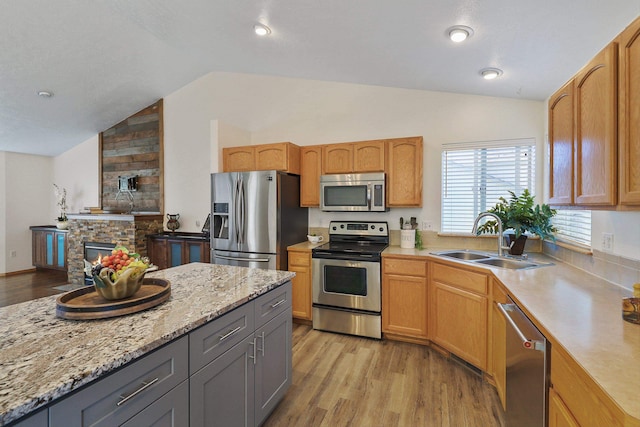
point(516, 246)
point(62, 225)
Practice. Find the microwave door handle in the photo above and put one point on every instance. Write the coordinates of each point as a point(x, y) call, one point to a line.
point(369, 195)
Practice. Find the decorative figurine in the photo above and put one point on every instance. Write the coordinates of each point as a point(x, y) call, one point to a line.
point(173, 224)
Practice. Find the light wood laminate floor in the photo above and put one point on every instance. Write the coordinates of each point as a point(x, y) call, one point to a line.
point(341, 380)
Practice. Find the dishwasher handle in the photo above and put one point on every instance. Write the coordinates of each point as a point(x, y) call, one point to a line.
point(527, 343)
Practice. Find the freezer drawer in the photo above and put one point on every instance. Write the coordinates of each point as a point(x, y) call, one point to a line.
point(244, 259)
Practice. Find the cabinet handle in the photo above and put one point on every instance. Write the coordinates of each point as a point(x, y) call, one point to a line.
point(145, 386)
point(253, 346)
point(262, 338)
point(282, 301)
point(228, 334)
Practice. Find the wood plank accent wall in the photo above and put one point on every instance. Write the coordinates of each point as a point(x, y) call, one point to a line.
point(134, 147)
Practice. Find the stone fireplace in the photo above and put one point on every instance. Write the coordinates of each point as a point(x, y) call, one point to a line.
point(126, 230)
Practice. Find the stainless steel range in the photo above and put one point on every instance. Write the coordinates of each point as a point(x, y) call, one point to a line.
point(347, 278)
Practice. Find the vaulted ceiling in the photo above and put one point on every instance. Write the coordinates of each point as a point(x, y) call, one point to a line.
point(104, 60)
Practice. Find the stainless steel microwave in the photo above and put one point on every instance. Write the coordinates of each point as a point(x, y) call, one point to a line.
point(354, 192)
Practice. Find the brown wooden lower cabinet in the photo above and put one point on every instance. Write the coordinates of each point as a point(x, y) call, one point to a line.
point(459, 312)
point(404, 298)
point(300, 263)
point(168, 250)
point(49, 247)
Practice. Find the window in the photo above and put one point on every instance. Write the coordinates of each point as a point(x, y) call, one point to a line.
point(574, 226)
point(475, 175)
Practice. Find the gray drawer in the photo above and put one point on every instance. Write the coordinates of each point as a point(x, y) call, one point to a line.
point(271, 304)
point(214, 338)
point(117, 397)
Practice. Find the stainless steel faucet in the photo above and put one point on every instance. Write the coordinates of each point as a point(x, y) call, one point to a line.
point(499, 221)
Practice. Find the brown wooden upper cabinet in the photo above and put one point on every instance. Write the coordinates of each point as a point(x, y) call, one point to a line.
point(369, 156)
point(629, 114)
point(561, 144)
point(310, 171)
point(337, 158)
point(583, 135)
point(283, 156)
point(354, 157)
point(238, 159)
point(597, 129)
point(404, 172)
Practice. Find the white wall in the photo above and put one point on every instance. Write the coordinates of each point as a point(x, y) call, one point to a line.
point(273, 109)
point(224, 109)
point(3, 210)
point(28, 195)
point(77, 170)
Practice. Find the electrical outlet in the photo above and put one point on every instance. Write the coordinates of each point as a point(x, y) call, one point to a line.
point(607, 242)
point(427, 225)
point(13, 254)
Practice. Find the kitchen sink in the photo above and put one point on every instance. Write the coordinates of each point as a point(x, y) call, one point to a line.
point(489, 259)
point(511, 264)
point(464, 255)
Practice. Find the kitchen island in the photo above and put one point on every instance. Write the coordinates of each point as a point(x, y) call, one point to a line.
point(43, 358)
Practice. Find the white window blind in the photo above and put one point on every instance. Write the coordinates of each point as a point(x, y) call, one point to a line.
point(475, 175)
point(574, 226)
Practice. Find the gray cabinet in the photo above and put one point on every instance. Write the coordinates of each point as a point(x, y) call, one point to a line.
point(232, 371)
point(118, 397)
point(244, 381)
point(171, 410)
point(222, 393)
point(39, 419)
point(273, 364)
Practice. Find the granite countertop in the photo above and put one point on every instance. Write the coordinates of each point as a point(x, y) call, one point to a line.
point(580, 312)
point(43, 357)
point(305, 246)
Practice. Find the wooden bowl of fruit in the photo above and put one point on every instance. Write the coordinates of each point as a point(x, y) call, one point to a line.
point(120, 274)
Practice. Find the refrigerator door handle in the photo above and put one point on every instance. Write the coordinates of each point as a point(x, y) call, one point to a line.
point(241, 200)
point(235, 209)
point(241, 259)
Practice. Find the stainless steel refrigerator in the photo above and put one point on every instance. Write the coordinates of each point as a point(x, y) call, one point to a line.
point(254, 217)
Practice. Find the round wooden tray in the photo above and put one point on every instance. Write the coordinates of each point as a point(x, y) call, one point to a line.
point(85, 303)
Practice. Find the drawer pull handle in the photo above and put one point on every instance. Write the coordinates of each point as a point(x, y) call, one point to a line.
point(145, 386)
point(282, 301)
point(262, 349)
point(228, 334)
point(253, 347)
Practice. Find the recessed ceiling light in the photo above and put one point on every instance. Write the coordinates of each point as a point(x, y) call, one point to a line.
point(459, 33)
point(45, 93)
point(490, 73)
point(261, 30)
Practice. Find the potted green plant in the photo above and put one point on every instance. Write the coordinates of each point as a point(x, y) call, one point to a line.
point(522, 215)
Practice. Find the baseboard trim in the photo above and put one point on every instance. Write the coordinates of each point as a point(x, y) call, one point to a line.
point(15, 273)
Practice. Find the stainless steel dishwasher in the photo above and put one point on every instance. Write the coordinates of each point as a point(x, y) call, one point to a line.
point(527, 370)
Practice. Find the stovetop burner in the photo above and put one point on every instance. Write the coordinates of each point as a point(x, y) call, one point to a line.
point(356, 238)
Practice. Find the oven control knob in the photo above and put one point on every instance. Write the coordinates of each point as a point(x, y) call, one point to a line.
point(381, 229)
point(341, 225)
point(373, 227)
point(334, 228)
